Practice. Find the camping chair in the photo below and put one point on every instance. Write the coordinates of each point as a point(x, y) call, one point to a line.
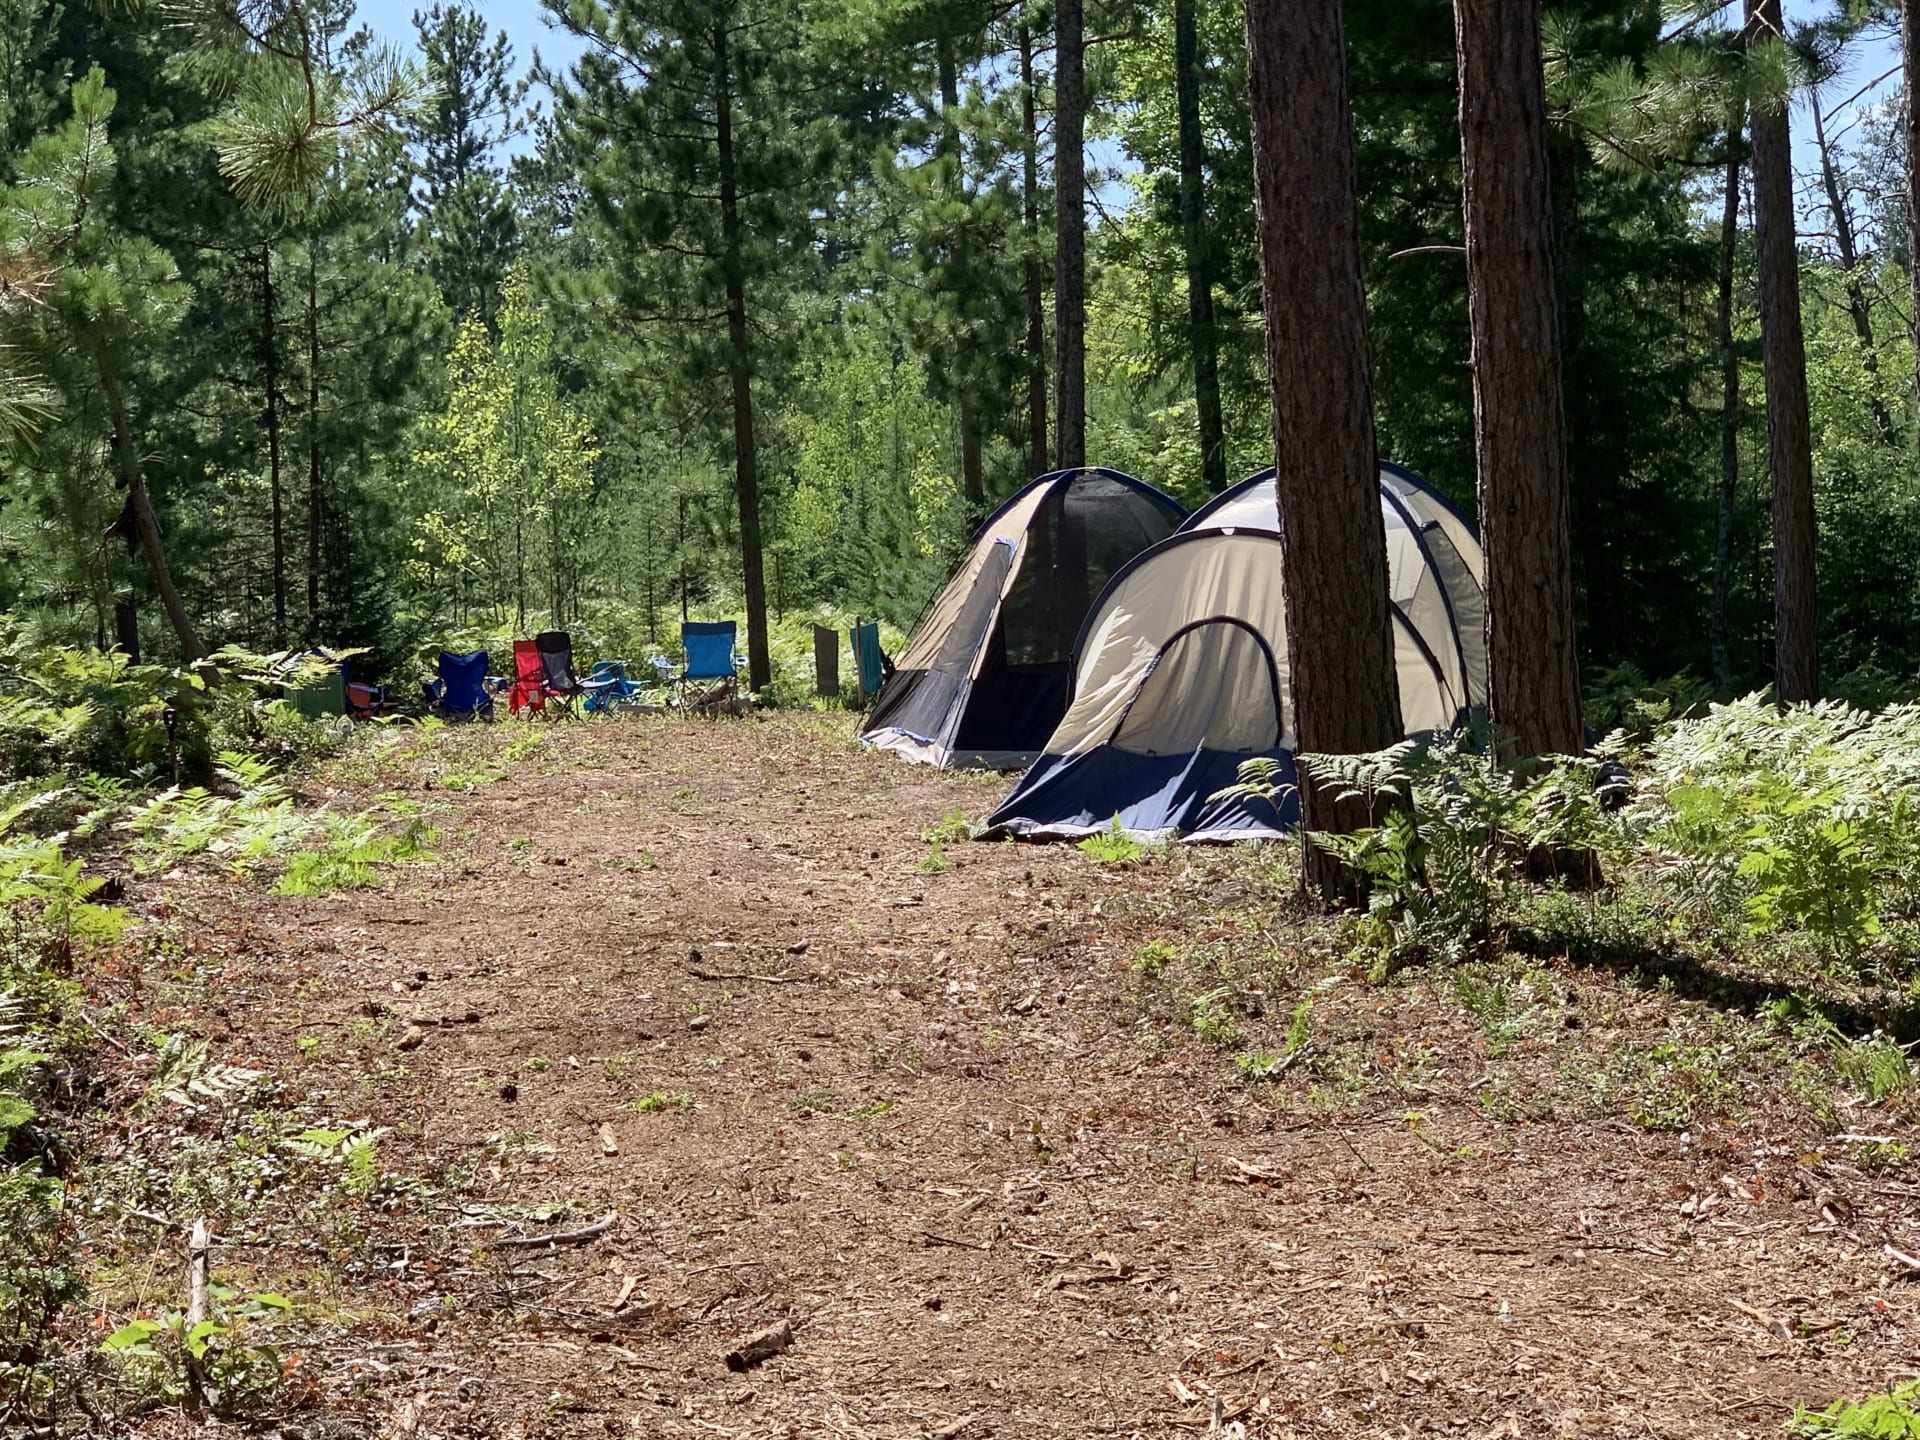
point(710, 660)
point(556, 659)
point(608, 688)
point(363, 699)
point(461, 691)
point(529, 679)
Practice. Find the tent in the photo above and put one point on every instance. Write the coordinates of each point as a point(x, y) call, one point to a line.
point(985, 678)
point(1181, 670)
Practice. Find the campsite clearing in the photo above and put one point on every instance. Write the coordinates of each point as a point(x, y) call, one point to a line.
point(1016, 1143)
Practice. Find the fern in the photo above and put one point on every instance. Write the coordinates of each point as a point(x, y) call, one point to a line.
point(1894, 1415)
point(183, 1074)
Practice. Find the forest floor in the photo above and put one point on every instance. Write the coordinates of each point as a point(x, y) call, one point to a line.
point(984, 1123)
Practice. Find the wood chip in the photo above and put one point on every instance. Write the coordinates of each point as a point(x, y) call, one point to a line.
point(608, 1145)
point(1900, 1257)
point(762, 1345)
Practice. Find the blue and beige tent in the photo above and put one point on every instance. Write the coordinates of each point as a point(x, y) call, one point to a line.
point(1180, 673)
point(985, 678)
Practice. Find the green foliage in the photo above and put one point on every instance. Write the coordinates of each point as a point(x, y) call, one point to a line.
point(1493, 1004)
point(1800, 819)
point(951, 828)
point(1448, 858)
point(351, 855)
point(661, 1100)
point(1892, 1415)
point(1112, 846)
point(1154, 957)
point(1211, 1019)
point(229, 1353)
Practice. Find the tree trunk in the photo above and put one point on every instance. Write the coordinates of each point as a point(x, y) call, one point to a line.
point(1910, 127)
point(1729, 410)
point(1036, 285)
point(1789, 432)
point(316, 497)
point(1070, 236)
point(1345, 692)
point(148, 523)
point(1845, 243)
point(973, 482)
point(745, 449)
point(1201, 338)
point(270, 367)
point(1519, 417)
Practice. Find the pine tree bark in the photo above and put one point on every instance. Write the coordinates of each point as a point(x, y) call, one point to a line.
point(1910, 128)
point(1036, 343)
point(1070, 235)
point(1201, 336)
point(1783, 348)
point(316, 494)
point(746, 475)
point(1846, 243)
point(1345, 693)
point(1519, 415)
point(144, 519)
point(1728, 488)
point(270, 368)
point(966, 411)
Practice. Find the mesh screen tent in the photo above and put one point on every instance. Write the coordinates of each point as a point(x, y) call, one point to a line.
point(985, 678)
point(1181, 671)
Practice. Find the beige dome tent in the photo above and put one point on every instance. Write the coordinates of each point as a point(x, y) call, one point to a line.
point(985, 678)
point(1180, 675)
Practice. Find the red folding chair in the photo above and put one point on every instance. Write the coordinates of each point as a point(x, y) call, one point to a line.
point(529, 679)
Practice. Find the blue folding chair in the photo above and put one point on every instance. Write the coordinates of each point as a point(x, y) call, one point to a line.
point(710, 661)
point(461, 691)
point(608, 688)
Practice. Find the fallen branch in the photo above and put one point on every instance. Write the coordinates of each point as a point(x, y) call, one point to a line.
point(763, 1345)
point(558, 1237)
point(933, 1239)
point(1900, 1256)
point(743, 975)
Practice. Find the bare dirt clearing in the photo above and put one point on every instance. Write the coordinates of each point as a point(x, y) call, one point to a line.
point(1001, 1173)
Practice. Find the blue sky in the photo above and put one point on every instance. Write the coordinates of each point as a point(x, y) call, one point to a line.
point(526, 24)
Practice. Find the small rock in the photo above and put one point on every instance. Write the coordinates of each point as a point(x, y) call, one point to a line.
point(932, 1302)
point(799, 947)
point(412, 1038)
point(699, 1022)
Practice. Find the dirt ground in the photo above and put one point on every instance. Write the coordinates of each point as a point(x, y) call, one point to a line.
point(706, 982)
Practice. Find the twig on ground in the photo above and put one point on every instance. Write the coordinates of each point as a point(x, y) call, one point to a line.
point(558, 1237)
point(933, 1239)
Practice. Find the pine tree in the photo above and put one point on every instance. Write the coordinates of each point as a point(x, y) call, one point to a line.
point(87, 302)
point(702, 183)
point(1344, 689)
point(1789, 430)
point(465, 211)
point(1070, 234)
point(1519, 419)
point(1201, 338)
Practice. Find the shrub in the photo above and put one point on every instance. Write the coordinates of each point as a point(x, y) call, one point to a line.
point(1803, 819)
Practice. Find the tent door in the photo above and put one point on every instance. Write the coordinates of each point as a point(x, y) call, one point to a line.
point(1213, 686)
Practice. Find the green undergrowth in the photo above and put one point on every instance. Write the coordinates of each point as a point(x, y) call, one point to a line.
point(1893, 1415)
